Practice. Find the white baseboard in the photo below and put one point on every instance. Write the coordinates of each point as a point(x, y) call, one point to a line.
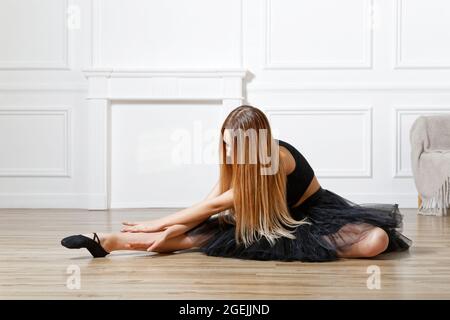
point(404, 200)
point(98, 201)
point(44, 200)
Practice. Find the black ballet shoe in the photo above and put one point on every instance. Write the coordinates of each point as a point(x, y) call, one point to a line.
point(80, 241)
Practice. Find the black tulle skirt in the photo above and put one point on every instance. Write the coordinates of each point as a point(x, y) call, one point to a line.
point(334, 224)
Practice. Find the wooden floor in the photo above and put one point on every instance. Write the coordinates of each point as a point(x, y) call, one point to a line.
point(33, 265)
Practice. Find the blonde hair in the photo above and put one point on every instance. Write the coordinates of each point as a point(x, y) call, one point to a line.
point(260, 205)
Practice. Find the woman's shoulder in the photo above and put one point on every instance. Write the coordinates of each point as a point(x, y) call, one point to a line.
point(300, 161)
point(282, 143)
point(293, 150)
point(287, 157)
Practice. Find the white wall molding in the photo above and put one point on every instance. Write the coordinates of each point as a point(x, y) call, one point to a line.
point(109, 85)
point(63, 64)
point(398, 113)
point(399, 61)
point(364, 63)
point(52, 87)
point(97, 34)
point(241, 34)
point(366, 116)
point(372, 59)
point(65, 114)
point(346, 86)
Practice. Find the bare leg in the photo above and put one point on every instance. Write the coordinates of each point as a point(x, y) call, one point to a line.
point(120, 241)
point(373, 242)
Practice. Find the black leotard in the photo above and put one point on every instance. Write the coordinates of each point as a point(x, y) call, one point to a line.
point(299, 179)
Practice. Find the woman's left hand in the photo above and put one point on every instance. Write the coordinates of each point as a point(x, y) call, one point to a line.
point(153, 245)
point(168, 233)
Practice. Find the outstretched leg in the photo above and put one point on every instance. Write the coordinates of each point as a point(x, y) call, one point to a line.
point(142, 241)
point(105, 243)
point(181, 242)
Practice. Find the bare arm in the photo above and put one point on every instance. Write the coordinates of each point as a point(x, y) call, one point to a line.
point(215, 191)
point(182, 228)
point(201, 210)
point(186, 219)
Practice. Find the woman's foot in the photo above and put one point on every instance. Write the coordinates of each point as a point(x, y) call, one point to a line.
point(99, 245)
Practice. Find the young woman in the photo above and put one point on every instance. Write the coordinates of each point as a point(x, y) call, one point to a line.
point(267, 205)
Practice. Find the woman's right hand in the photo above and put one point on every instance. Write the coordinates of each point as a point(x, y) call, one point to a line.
point(144, 226)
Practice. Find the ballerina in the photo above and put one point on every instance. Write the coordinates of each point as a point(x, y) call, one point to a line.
point(267, 205)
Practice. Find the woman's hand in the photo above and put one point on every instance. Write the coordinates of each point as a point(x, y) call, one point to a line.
point(157, 243)
point(145, 226)
point(153, 245)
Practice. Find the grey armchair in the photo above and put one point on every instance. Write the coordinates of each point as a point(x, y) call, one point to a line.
point(430, 160)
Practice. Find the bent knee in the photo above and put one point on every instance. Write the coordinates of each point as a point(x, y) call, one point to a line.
point(377, 242)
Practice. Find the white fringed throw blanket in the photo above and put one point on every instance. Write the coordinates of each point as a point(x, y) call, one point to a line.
point(430, 156)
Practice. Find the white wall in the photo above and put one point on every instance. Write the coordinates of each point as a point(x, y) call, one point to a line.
point(341, 80)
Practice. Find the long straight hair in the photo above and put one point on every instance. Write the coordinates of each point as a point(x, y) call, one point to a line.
point(260, 204)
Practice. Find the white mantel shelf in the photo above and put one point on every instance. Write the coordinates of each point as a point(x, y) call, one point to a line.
point(165, 84)
point(106, 86)
point(118, 72)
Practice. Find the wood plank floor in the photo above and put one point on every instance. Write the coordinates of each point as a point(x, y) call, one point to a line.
point(33, 265)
